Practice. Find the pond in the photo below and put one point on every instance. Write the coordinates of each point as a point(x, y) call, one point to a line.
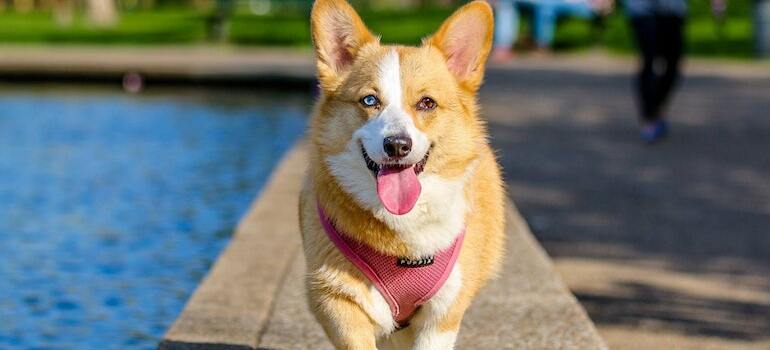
point(113, 206)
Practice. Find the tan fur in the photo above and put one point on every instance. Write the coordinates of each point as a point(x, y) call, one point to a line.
point(347, 53)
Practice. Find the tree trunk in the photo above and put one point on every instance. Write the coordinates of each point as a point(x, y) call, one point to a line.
point(64, 12)
point(102, 13)
point(24, 6)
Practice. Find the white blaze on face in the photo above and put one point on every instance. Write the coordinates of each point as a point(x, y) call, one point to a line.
point(393, 119)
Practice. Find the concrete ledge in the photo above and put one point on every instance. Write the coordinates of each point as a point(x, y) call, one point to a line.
point(185, 64)
point(253, 298)
point(278, 67)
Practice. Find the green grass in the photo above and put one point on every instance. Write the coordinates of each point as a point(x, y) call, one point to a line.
point(732, 39)
point(273, 31)
point(157, 27)
point(704, 36)
point(184, 26)
point(395, 27)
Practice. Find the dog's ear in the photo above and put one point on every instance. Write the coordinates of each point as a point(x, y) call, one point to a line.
point(338, 33)
point(465, 39)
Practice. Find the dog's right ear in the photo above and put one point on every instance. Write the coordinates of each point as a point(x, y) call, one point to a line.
point(338, 33)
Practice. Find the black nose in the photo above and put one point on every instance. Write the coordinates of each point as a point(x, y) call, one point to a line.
point(397, 146)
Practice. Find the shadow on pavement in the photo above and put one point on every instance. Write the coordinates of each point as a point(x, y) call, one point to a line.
point(698, 203)
point(721, 318)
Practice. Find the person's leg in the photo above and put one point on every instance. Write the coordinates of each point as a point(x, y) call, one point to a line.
point(544, 23)
point(506, 30)
point(546, 13)
point(574, 8)
point(670, 43)
point(644, 33)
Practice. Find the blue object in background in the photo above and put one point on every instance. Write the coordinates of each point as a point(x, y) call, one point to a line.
point(544, 16)
point(113, 207)
point(762, 27)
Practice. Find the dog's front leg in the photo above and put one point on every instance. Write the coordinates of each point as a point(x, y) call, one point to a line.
point(434, 338)
point(438, 331)
point(346, 324)
point(440, 318)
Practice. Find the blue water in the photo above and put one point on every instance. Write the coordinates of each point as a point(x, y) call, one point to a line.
point(113, 206)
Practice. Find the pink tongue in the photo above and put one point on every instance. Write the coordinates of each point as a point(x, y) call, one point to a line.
point(398, 189)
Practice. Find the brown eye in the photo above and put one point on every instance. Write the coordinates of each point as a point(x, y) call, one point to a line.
point(426, 104)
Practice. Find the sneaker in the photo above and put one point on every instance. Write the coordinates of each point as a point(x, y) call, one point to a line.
point(654, 132)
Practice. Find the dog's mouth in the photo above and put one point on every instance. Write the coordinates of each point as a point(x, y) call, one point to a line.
point(397, 184)
point(375, 167)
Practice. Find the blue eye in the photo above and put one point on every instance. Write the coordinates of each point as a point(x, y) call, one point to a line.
point(370, 101)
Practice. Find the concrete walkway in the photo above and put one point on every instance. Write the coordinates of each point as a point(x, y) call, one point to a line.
point(253, 298)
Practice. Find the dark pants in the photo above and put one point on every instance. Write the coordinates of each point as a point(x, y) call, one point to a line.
point(660, 40)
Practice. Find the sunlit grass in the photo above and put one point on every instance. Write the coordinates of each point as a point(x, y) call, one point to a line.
point(705, 36)
point(156, 27)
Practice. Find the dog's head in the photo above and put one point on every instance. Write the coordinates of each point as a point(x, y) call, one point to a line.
point(393, 119)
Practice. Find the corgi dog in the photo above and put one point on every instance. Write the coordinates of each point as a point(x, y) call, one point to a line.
point(402, 209)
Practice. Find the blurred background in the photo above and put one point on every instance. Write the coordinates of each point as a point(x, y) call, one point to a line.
point(729, 33)
point(135, 133)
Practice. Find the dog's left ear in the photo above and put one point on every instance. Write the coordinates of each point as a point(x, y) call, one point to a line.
point(465, 38)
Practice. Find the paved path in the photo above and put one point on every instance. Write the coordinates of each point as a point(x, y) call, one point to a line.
point(666, 246)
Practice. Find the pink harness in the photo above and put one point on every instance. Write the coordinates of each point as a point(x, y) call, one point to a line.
point(405, 283)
